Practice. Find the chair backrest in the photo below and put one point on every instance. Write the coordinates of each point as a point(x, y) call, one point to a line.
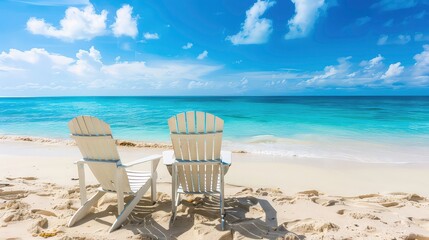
point(94, 139)
point(197, 138)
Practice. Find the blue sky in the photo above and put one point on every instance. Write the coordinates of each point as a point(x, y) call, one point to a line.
point(227, 47)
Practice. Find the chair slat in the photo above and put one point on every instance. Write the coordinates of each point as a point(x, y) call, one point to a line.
point(190, 120)
point(201, 147)
point(209, 147)
point(217, 142)
point(210, 124)
point(181, 122)
point(181, 176)
point(215, 177)
point(82, 125)
point(176, 146)
point(209, 169)
point(172, 124)
point(201, 122)
point(219, 124)
point(184, 148)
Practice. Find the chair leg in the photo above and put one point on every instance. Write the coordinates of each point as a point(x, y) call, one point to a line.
point(153, 188)
point(130, 206)
point(84, 209)
point(222, 213)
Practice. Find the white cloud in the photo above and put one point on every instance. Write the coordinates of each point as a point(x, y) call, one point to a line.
point(389, 5)
point(151, 36)
point(203, 55)
point(382, 40)
point(419, 37)
point(254, 30)
point(421, 67)
point(88, 62)
point(125, 24)
point(188, 46)
point(41, 71)
point(394, 70)
point(398, 40)
point(306, 13)
point(76, 25)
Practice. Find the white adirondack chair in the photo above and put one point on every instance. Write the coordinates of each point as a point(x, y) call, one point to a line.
point(98, 148)
point(197, 163)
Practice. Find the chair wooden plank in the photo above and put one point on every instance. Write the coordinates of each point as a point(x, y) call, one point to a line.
point(219, 124)
point(201, 147)
point(209, 168)
point(202, 177)
point(176, 146)
point(201, 122)
point(192, 141)
point(215, 177)
point(184, 147)
point(209, 147)
point(190, 120)
point(210, 123)
point(82, 126)
point(73, 126)
point(172, 124)
point(181, 123)
point(181, 176)
point(89, 125)
point(217, 141)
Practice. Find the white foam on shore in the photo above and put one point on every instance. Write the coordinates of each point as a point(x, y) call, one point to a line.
point(305, 146)
point(324, 147)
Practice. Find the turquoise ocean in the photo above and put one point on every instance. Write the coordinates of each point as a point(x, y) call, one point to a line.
point(367, 129)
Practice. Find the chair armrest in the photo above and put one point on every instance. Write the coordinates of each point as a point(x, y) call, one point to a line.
point(226, 157)
point(168, 157)
point(141, 160)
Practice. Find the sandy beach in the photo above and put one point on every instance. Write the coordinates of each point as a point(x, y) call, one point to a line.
point(267, 197)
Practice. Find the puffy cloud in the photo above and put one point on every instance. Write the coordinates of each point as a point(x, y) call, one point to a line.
point(151, 36)
point(421, 67)
point(88, 62)
point(125, 24)
point(306, 13)
point(254, 30)
point(36, 56)
point(41, 71)
point(394, 70)
point(188, 46)
point(399, 40)
point(203, 55)
point(76, 25)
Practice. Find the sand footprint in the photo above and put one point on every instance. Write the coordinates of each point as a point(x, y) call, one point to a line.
point(13, 195)
point(309, 226)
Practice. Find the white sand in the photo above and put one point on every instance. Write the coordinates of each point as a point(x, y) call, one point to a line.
point(350, 200)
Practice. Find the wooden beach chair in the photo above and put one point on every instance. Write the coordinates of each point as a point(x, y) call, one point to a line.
point(98, 148)
point(197, 163)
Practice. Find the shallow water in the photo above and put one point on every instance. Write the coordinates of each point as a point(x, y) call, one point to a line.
point(373, 129)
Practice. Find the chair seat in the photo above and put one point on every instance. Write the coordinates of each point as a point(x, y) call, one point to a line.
point(137, 179)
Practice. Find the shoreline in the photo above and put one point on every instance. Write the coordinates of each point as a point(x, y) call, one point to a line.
point(290, 174)
point(320, 149)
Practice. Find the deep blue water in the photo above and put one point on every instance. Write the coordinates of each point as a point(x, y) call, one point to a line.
point(401, 120)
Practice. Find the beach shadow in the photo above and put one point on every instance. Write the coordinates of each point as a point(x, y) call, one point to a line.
point(201, 214)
